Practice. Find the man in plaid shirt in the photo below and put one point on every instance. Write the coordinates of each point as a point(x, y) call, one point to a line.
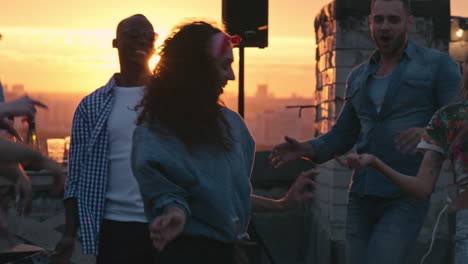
point(102, 196)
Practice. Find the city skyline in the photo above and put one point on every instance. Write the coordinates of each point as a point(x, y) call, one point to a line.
point(67, 48)
point(267, 116)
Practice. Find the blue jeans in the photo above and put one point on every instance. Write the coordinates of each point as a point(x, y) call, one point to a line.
point(382, 230)
point(461, 238)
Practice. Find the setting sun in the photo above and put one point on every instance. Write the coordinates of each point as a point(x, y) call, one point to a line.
point(67, 47)
point(154, 60)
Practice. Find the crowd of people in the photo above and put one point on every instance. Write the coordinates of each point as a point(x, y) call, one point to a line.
point(159, 168)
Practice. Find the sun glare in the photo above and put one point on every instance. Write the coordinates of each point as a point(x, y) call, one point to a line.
point(153, 61)
point(162, 34)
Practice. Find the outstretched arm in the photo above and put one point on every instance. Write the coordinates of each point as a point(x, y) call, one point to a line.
point(23, 106)
point(420, 186)
point(14, 153)
point(290, 150)
point(17, 153)
point(299, 192)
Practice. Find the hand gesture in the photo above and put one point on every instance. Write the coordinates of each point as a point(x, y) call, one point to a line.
point(63, 251)
point(355, 160)
point(23, 106)
point(301, 190)
point(167, 226)
point(289, 150)
point(407, 140)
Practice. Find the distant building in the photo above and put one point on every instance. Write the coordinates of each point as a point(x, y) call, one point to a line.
point(269, 127)
point(269, 119)
point(262, 91)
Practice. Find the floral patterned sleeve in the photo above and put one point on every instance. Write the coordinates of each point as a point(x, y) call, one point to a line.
point(445, 132)
point(435, 135)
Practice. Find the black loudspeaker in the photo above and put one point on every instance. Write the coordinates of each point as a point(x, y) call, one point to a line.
point(248, 19)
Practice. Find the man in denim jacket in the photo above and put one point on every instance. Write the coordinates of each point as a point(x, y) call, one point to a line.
point(389, 100)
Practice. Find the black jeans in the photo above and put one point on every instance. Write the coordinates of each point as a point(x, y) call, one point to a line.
point(125, 243)
point(201, 250)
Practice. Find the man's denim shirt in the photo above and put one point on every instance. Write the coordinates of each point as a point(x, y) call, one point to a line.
point(423, 81)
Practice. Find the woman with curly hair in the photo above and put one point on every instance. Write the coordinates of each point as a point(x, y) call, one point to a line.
point(446, 137)
point(192, 156)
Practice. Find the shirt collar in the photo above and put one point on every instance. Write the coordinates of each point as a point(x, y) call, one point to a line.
point(110, 84)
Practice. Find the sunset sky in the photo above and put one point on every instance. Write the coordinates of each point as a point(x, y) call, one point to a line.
point(65, 46)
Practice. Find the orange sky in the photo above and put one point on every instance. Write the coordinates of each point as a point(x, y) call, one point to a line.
point(65, 46)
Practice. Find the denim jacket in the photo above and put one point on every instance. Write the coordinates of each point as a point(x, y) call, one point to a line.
point(423, 81)
point(210, 185)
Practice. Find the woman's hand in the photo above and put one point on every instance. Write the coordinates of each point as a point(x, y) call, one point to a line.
point(355, 160)
point(167, 226)
point(301, 190)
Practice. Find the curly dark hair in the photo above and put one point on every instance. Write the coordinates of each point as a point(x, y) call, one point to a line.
point(182, 95)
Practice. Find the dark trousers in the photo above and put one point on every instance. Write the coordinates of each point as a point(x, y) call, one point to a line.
point(200, 250)
point(125, 243)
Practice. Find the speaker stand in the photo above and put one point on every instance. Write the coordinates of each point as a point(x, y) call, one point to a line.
point(240, 109)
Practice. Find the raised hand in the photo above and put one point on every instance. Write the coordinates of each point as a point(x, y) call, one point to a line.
point(289, 150)
point(167, 226)
point(301, 190)
point(407, 140)
point(23, 106)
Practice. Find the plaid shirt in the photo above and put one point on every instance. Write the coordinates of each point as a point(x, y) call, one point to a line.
point(89, 162)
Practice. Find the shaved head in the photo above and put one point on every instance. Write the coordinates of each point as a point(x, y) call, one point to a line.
point(123, 25)
point(406, 4)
